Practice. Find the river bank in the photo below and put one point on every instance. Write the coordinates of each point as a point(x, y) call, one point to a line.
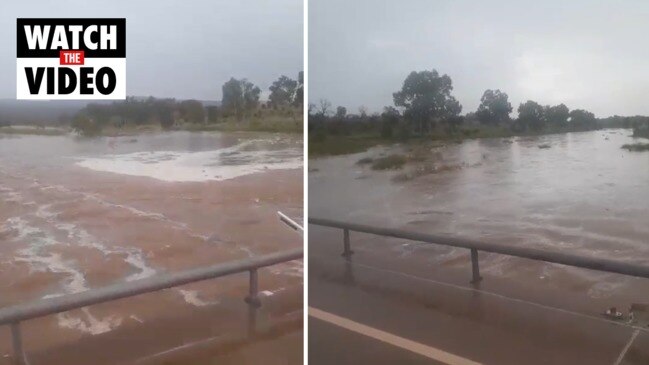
point(322, 145)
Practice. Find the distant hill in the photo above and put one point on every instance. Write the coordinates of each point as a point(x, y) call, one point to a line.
point(52, 112)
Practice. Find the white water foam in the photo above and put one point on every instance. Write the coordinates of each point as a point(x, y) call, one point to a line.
point(37, 239)
point(136, 318)
point(269, 293)
point(75, 280)
point(23, 231)
point(191, 297)
point(218, 165)
point(134, 256)
point(136, 260)
point(10, 195)
point(91, 324)
point(291, 268)
point(138, 212)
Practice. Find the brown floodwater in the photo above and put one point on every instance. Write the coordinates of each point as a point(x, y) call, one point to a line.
point(77, 214)
point(575, 192)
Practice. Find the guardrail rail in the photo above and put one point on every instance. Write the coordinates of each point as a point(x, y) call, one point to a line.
point(16, 314)
point(592, 263)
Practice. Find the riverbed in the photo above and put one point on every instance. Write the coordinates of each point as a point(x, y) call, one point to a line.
point(77, 214)
point(576, 192)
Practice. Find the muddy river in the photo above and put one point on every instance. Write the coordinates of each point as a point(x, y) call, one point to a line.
point(575, 192)
point(77, 214)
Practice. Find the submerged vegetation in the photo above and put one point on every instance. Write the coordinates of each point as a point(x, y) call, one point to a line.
point(641, 130)
point(424, 109)
point(390, 162)
point(342, 144)
point(636, 147)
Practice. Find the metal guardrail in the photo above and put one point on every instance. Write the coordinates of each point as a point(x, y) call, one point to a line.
point(562, 258)
point(13, 315)
point(290, 222)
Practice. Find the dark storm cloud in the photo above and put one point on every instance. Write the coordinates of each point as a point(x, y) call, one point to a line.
point(586, 54)
point(182, 49)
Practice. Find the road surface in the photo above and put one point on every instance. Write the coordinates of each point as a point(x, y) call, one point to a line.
point(372, 310)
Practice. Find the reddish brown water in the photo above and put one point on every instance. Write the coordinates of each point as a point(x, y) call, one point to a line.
point(583, 194)
point(80, 214)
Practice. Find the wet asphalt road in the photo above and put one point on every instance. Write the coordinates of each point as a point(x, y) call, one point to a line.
point(331, 345)
point(458, 319)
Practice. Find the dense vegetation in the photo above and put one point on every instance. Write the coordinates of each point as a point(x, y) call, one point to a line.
point(426, 108)
point(240, 109)
point(636, 147)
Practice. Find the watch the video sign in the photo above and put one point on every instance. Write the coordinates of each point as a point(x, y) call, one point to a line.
point(71, 59)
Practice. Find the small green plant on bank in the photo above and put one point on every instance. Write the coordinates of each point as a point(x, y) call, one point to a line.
point(33, 131)
point(636, 147)
point(391, 162)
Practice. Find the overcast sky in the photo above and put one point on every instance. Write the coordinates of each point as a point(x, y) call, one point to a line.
point(586, 54)
point(182, 49)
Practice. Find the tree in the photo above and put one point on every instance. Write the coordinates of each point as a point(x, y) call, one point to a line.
point(426, 99)
point(530, 116)
point(582, 120)
point(282, 91)
point(640, 126)
point(240, 96)
point(323, 109)
point(557, 116)
point(494, 108)
point(362, 111)
point(341, 112)
point(299, 91)
point(212, 113)
point(192, 111)
point(164, 110)
point(85, 126)
point(389, 119)
point(250, 95)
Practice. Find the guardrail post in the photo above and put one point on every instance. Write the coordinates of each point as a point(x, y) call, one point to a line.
point(475, 264)
point(253, 302)
point(347, 249)
point(19, 352)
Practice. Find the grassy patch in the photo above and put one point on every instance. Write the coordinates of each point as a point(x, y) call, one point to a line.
point(34, 131)
point(340, 145)
point(391, 162)
point(270, 124)
point(483, 132)
point(130, 130)
point(427, 169)
point(324, 143)
point(365, 161)
point(636, 147)
point(641, 132)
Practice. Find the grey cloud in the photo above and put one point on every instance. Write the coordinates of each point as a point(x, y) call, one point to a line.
point(586, 54)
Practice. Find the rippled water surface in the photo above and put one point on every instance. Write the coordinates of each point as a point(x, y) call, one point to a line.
point(584, 194)
point(81, 213)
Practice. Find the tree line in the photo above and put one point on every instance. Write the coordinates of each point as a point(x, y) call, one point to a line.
point(240, 100)
point(425, 105)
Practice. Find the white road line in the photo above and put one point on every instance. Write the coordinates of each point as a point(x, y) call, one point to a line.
point(389, 338)
point(626, 348)
point(495, 295)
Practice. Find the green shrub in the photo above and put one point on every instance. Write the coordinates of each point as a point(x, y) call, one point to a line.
point(365, 161)
point(391, 162)
point(636, 147)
